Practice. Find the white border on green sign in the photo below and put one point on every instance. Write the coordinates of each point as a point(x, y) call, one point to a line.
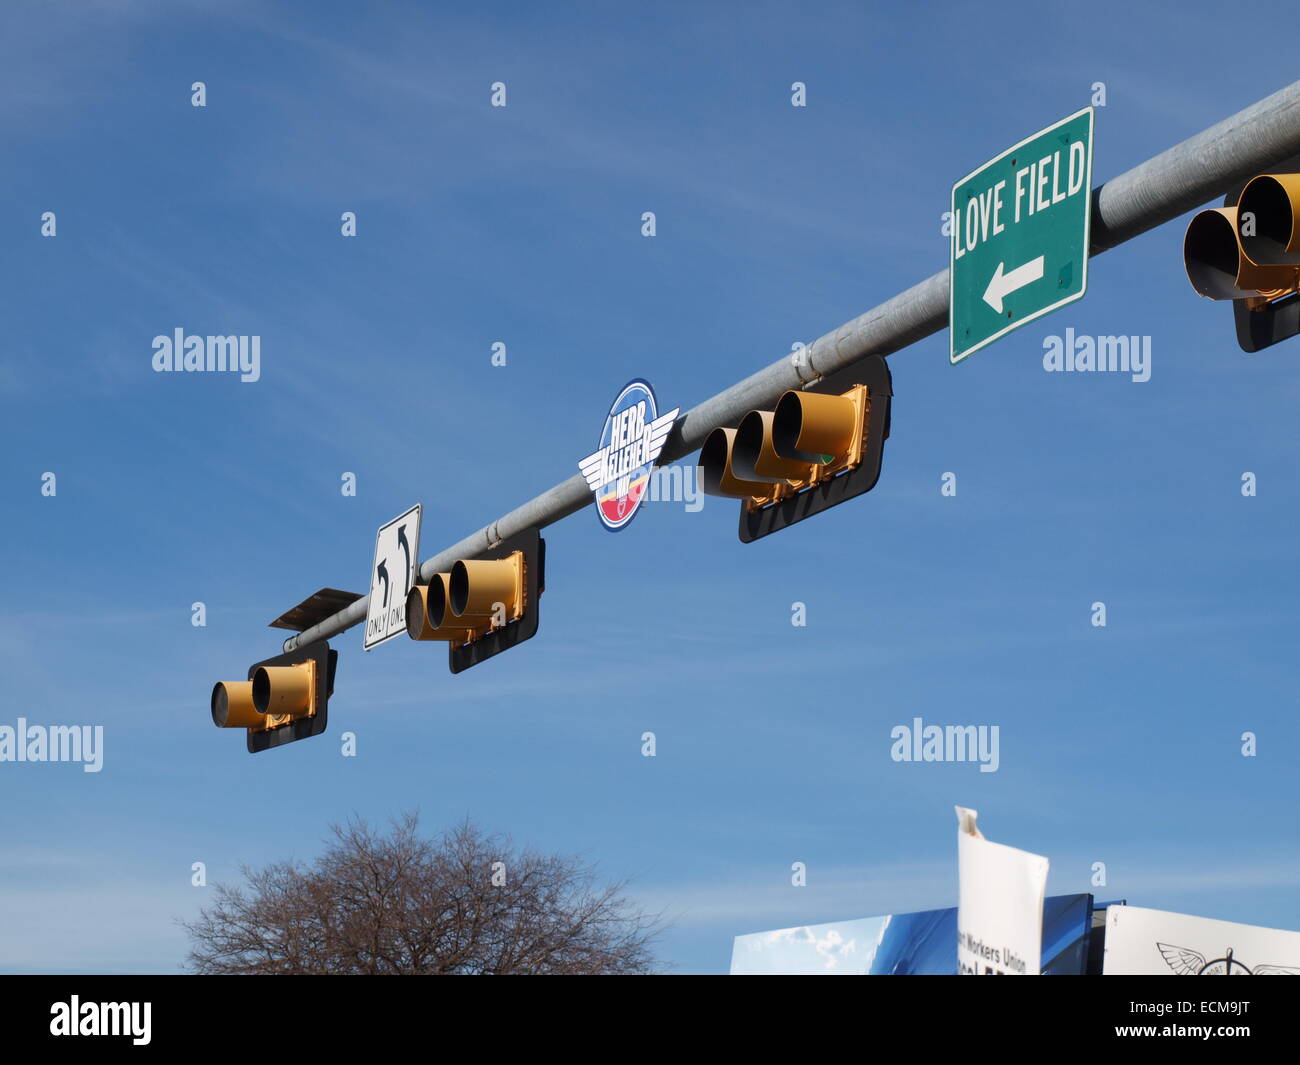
point(954, 359)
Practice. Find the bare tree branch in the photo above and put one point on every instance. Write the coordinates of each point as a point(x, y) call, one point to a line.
point(401, 904)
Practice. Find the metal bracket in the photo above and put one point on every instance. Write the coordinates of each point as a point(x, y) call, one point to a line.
point(314, 609)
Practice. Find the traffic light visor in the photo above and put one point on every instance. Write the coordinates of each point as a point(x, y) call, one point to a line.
point(1269, 208)
point(426, 613)
point(1219, 268)
point(814, 427)
point(232, 705)
point(285, 691)
point(754, 456)
point(477, 588)
point(716, 470)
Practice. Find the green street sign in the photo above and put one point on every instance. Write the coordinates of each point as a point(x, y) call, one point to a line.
point(1019, 244)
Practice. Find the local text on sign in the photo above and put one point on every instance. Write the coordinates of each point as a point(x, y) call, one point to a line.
point(983, 215)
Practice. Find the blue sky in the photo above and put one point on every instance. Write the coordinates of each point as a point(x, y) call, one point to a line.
point(522, 225)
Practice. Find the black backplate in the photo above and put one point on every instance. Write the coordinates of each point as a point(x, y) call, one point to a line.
point(533, 546)
point(874, 373)
point(326, 663)
point(1257, 330)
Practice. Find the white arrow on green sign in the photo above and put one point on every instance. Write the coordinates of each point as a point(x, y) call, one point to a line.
point(1020, 235)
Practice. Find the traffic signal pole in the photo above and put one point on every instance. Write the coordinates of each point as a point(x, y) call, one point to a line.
point(1187, 175)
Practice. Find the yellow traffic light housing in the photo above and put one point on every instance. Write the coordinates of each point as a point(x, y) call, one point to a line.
point(1248, 251)
point(482, 605)
point(1219, 267)
point(807, 440)
point(814, 427)
point(232, 705)
point(716, 470)
point(487, 592)
point(755, 458)
point(285, 693)
point(817, 448)
point(284, 699)
point(1273, 202)
point(428, 616)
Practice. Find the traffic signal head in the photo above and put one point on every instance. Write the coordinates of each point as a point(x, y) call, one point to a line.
point(1219, 266)
point(816, 448)
point(284, 699)
point(483, 605)
point(428, 616)
point(1248, 251)
point(807, 439)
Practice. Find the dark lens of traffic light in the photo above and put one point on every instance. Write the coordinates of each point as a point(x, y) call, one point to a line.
point(220, 705)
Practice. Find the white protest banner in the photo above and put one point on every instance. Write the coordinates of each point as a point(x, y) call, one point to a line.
point(1155, 943)
point(1000, 907)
